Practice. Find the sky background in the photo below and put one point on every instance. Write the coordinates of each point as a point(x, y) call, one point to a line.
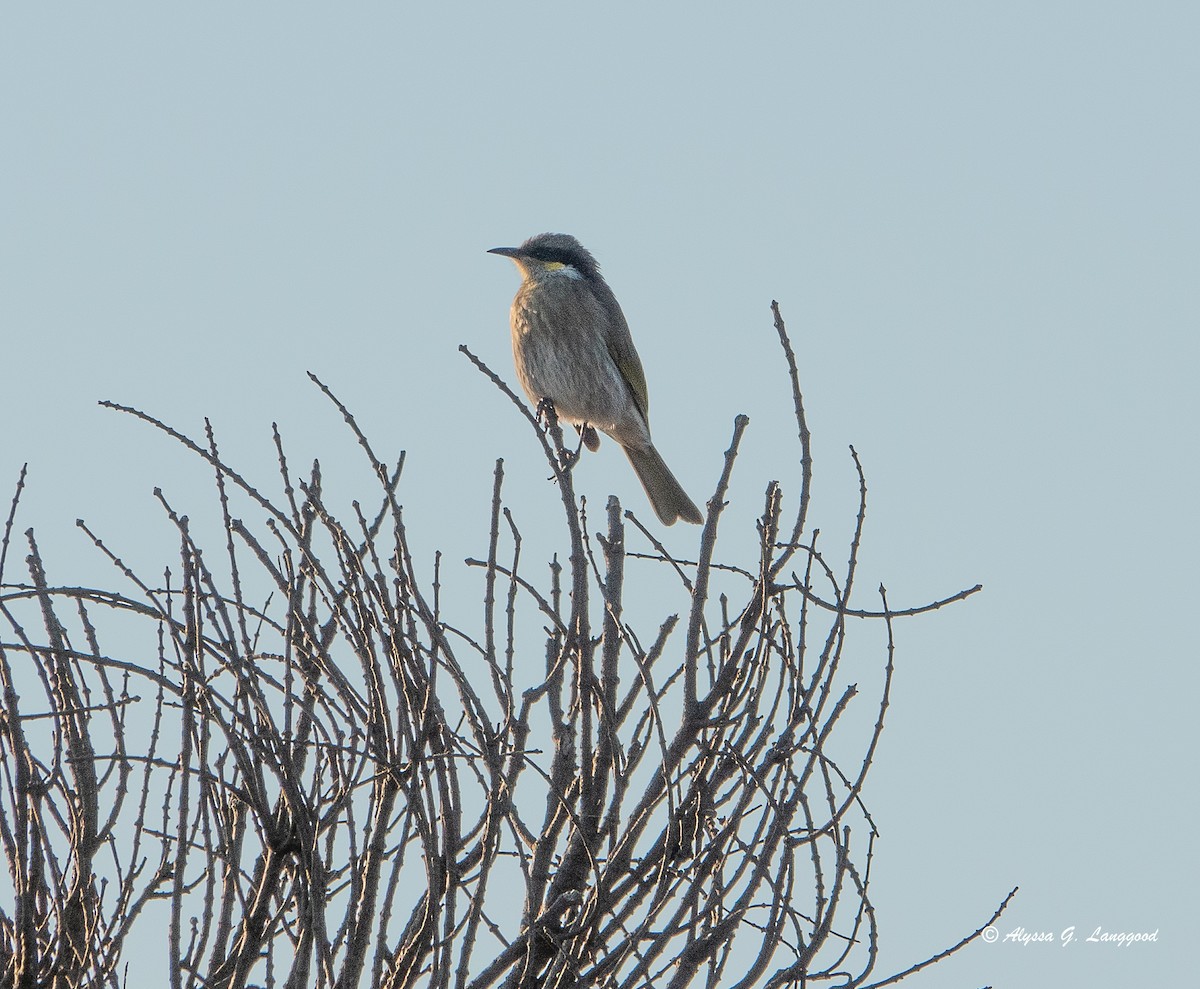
point(980, 221)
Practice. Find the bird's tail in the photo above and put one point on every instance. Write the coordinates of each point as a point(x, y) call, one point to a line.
point(666, 494)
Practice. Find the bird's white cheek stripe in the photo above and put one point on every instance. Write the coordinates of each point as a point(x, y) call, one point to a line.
point(566, 269)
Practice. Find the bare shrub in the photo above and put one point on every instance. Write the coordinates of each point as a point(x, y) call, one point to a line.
point(316, 772)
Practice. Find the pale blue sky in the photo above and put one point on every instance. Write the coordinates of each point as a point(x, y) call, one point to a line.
point(980, 220)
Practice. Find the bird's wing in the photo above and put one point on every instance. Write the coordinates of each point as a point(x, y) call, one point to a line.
point(631, 370)
point(621, 349)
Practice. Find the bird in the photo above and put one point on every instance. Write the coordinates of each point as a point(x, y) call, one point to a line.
point(572, 348)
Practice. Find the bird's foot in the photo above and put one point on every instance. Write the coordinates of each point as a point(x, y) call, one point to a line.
point(587, 437)
point(545, 413)
point(567, 459)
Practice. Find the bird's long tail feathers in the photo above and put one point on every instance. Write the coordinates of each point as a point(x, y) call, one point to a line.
point(666, 494)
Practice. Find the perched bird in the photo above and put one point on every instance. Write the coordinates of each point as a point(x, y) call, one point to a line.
point(572, 347)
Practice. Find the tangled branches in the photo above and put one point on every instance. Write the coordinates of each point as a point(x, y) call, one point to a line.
point(323, 778)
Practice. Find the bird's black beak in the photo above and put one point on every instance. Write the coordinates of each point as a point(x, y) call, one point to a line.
point(507, 252)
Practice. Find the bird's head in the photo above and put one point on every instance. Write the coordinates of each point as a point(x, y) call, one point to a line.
point(547, 254)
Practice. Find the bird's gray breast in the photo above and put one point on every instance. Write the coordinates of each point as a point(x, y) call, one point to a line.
point(560, 332)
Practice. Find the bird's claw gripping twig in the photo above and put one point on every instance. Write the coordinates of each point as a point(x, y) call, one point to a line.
point(567, 458)
point(545, 412)
point(587, 434)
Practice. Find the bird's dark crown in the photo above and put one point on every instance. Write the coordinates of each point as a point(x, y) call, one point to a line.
point(564, 249)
